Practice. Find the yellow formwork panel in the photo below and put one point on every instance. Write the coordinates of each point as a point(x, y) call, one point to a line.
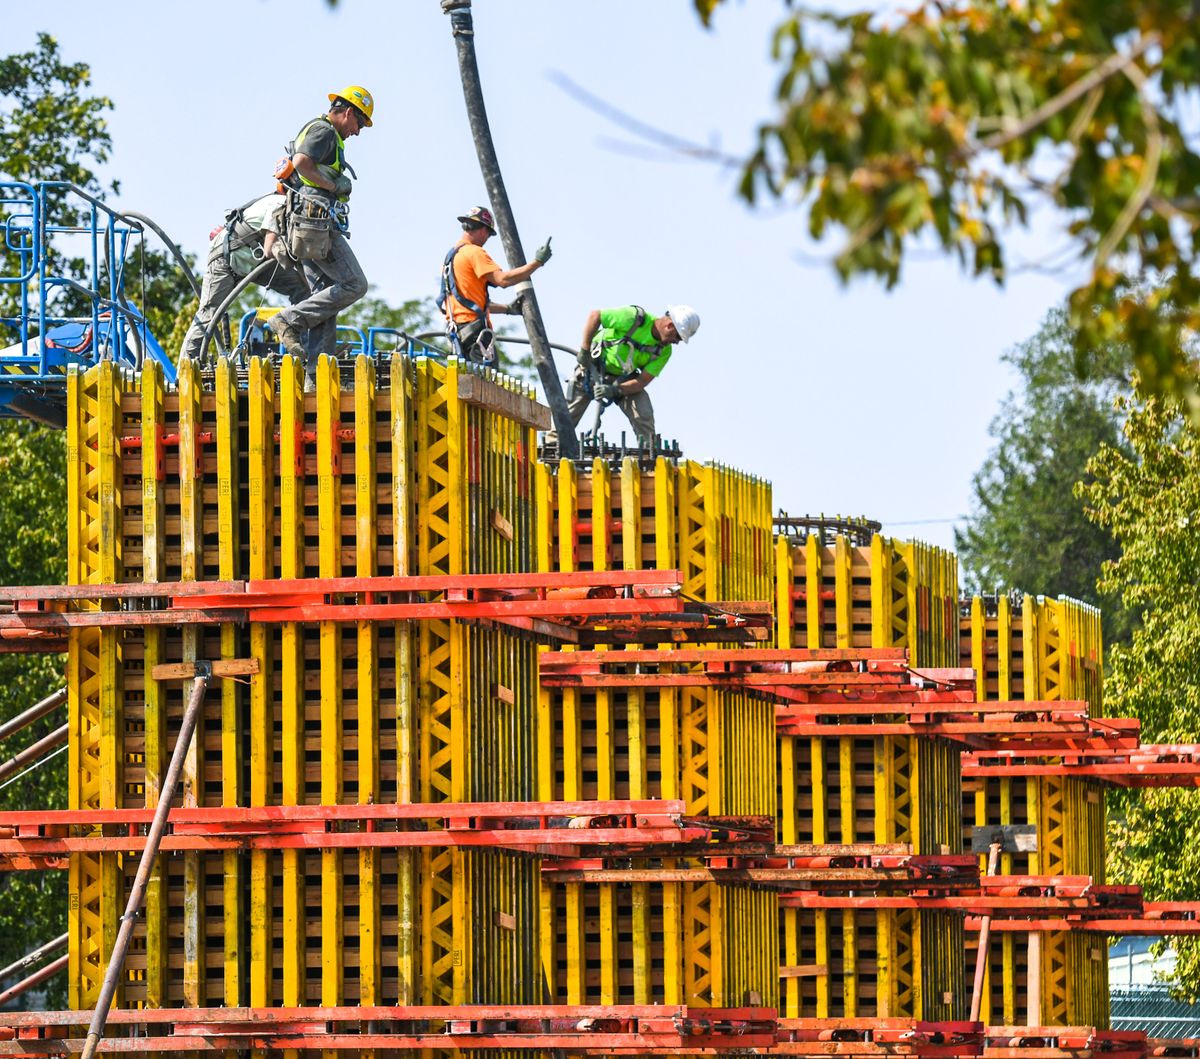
point(94, 536)
point(659, 942)
point(261, 463)
point(860, 963)
point(195, 483)
point(153, 513)
point(232, 756)
point(1033, 648)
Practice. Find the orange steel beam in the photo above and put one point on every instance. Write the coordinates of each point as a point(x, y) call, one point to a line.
point(554, 604)
point(1157, 918)
point(42, 839)
point(1021, 896)
point(582, 1029)
point(1150, 765)
point(587, 1029)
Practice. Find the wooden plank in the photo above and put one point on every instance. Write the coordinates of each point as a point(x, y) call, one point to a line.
point(221, 667)
point(483, 393)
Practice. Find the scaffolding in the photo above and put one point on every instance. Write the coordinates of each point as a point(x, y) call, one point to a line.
point(596, 757)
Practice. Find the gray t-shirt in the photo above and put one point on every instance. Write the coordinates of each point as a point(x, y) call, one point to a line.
point(319, 142)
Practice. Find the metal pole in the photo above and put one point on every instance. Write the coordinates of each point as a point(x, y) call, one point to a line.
point(108, 987)
point(23, 720)
point(462, 27)
point(35, 751)
point(985, 933)
point(37, 978)
point(30, 958)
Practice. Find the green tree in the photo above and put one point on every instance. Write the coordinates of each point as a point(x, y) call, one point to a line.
point(53, 129)
point(1148, 498)
point(1027, 529)
point(949, 124)
point(33, 505)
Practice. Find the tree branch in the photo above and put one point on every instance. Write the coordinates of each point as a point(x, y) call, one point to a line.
point(1113, 65)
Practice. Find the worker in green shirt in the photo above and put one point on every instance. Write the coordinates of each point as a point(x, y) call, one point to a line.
point(624, 350)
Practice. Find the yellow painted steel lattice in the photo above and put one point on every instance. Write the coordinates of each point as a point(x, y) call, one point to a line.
point(1034, 648)
point(858, 963)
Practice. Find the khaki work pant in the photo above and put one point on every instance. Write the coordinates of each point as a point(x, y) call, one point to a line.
point(219, 281)
point(637, 407)
point(337, 281)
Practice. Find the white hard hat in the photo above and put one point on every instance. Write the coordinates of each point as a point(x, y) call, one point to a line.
point(685, 319)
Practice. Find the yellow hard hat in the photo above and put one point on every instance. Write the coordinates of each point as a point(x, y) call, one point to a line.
point(356, 96)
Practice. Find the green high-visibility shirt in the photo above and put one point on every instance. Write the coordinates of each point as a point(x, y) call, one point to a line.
point(622, 357)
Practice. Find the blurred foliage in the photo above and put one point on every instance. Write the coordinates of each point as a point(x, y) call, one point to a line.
point(33, 516)
point(1027, 530)
point(949, 124)
point(1146, 493)
point(53, 129)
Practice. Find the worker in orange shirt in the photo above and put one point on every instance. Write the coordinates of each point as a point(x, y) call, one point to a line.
point(467, 274)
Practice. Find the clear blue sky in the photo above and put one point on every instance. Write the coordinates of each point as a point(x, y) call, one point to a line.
point(849, 400)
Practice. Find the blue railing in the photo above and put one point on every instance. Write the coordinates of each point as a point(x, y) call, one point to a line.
point(58, 319)
point(377, 342)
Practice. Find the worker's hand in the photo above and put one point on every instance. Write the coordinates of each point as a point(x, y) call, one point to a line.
point(584, 356)
point(514, 307)
point(279, 252)
point(342, 185)
point(606, 391)
point(544, 252)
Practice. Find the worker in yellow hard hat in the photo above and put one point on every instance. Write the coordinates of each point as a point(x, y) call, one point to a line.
point(316, 178)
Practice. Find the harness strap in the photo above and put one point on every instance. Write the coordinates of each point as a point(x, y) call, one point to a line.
point(627, 340)
point(233, 218)
point(450, 285)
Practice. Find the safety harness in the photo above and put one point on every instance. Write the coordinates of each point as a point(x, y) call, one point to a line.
point(627, 340)
point(449, 286)
point(233, 242)
point(294, 179)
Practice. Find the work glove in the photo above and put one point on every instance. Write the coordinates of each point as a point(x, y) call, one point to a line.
point(514, 306)
point(584, 356)
point(544, 252)
point(342, 185)
point(605, 391)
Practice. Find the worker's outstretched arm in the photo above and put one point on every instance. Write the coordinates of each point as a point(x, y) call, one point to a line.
point(512, 276)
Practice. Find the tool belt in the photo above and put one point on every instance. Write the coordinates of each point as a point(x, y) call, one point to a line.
point(309, 226)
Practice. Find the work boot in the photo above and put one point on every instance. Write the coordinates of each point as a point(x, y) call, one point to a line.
point(289, 336)
point(310, 384)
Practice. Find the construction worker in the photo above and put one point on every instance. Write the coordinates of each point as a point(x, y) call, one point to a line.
point(467, 273)
point(624, 350)
point(246, 239)
point(318, 187)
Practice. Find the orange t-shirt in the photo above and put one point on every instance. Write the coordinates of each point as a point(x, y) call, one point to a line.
point(471, 264)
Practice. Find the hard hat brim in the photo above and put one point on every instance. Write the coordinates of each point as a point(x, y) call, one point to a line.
point(475, 220)
point(334, 96)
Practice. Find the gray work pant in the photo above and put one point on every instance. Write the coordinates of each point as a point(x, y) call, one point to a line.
point(337, 281)
point(219, 281)
point(637, 407)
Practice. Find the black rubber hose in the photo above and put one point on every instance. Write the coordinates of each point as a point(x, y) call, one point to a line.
point(170, 244)
point(242, 284)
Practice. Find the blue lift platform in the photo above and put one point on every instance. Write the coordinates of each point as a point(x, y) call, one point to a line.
point(51, 320)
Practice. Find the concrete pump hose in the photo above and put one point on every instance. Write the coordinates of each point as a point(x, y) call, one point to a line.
point(242, 284)
point(180, 260)
point(170, 244)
